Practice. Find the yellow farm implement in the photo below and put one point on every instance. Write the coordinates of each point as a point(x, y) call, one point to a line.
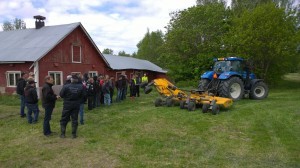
point(171, 95)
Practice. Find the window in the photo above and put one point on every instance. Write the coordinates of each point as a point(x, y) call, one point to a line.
point(76, 73)
point(57, 77)
point(93, 73)
point(12, 78)
point(76, 54)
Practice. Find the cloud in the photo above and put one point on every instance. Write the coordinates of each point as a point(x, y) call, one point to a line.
point(114, 24)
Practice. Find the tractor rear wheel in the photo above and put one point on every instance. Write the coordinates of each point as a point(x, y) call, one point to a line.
point(203, 84)
point(158, 102)
point(259, 91)
point(232, 88)
point(191, 106)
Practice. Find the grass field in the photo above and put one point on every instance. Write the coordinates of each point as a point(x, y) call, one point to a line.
point(134, 133)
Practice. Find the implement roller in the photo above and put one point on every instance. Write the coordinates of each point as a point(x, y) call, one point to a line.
point(171, 95)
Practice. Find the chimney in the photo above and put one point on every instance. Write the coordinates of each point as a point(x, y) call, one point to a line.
point(39, 22)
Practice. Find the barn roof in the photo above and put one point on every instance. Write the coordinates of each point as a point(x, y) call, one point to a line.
point(32, 44)
point(122, 62)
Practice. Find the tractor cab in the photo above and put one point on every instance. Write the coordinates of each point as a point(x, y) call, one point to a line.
point(228, 64)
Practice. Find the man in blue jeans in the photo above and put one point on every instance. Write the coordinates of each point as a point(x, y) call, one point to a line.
point(21, 84)
point(48, 102)
point(31, 101)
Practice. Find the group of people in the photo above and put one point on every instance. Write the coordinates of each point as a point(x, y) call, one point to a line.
point(76, 91)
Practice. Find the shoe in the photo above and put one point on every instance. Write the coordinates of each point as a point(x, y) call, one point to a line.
point(23, 116)
point(34, 122)
point(74, 136)
point(62, 136)
point(82, 123)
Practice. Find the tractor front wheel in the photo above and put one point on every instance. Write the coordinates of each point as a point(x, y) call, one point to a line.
point(232, 88)
point(259, 91)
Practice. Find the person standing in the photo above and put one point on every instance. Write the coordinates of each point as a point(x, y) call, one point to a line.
point(20, 91)
point(90, 93)
point(137, 84)
point(48, 103)
point(106, 91)
point(112, 88)
point(72, 95)
point(31, 98)
point(119, 89)
point(83, 100)
point(144, 81)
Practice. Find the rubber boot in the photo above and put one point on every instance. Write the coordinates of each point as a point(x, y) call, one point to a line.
point(63, 131)
point(74, 131)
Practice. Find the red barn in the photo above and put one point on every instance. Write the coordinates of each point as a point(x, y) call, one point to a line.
point(57, 51)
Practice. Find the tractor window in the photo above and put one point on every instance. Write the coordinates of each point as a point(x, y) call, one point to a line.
point(222, 66)
point(236, 66)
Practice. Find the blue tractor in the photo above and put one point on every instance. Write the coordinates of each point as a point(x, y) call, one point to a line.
point(231, 78)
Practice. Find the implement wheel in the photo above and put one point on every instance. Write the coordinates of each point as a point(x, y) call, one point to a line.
point(215, 109)
point(205, 108)
point(169, 102)
point(182, 103)
point(191, 106)
point(158, 102)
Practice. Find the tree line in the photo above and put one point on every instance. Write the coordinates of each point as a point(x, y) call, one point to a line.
point(265, 32)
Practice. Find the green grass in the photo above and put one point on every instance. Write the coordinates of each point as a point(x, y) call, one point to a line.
point(134, 133)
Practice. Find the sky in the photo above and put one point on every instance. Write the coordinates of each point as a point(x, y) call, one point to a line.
point(115, 24)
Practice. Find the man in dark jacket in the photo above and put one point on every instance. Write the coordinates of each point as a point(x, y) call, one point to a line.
point(48, 102)
point(31, 101)
point(72, 95)
point(21, 84)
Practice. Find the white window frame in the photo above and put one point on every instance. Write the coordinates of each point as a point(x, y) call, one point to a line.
point(76, 73)
point(15, 79)
point(61, 76)
point(93, 72)
point(73, 53)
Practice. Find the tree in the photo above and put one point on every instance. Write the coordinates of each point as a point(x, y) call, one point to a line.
point(15, 24)
point(108, 51)
point(123, 53)
point(148, 47)
point(194, 36)
point(267, 36)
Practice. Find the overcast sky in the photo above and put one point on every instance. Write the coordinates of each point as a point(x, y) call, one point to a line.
point(114, 24)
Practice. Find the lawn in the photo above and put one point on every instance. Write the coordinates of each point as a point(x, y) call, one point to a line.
point(134, 133)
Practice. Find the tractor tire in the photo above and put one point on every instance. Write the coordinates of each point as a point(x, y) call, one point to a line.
point(259, 91)
point(182, 103)
point(148, 89)
point(169, 102)
point(232, 88)
point(205, 108)
point(215, 109)
point(203, 84)
point(158, 102)
point(191, 106)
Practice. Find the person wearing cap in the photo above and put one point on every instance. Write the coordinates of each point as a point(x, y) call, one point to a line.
point(68, 80)
point(48, 103)
point(21, 84)
point(72, 95)
point(31, 101)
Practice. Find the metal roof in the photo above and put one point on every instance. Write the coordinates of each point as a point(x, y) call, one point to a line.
point(32, 44)
point(122, 62)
